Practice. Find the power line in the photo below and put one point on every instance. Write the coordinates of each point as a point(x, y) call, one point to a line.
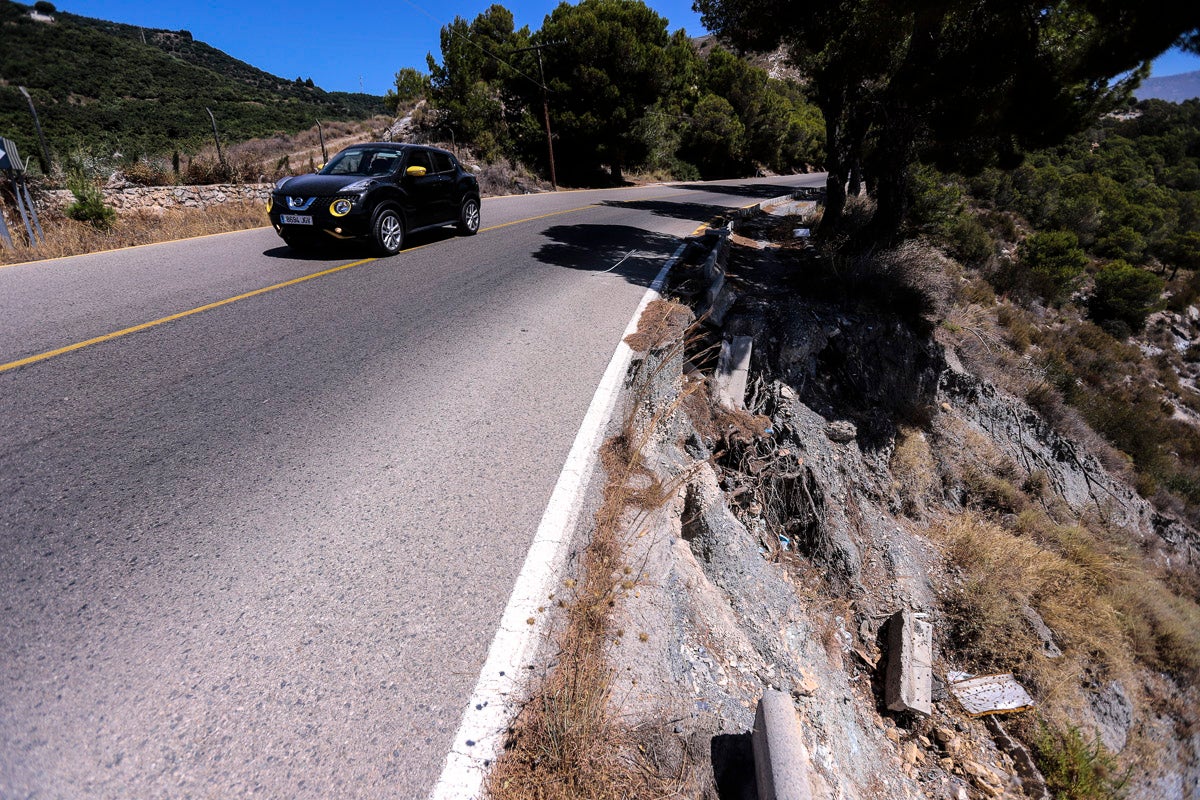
point(477, 46)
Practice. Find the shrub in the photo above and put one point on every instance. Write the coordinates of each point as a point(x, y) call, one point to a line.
point(968, 241)
point(89, 205)
point(1124, 294)
point(1074, 769)
point(1053, 264)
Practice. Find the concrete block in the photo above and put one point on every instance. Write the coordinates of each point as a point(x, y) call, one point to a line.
point(909, 679)
point(781, 765)
point(713, 270)
point(733, 371)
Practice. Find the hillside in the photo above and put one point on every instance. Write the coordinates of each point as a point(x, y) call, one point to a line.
point(103, 87)
point(1172, 88)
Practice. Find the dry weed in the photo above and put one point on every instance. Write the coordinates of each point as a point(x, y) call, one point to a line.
point(566, 743)
point(68, 237)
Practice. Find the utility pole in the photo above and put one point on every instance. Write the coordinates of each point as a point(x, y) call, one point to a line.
point(537, 48)
point(45, 159)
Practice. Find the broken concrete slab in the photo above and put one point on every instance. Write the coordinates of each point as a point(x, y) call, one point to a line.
point(909, 680)
point(781, 763)
point(989, 694)
point(733, 371)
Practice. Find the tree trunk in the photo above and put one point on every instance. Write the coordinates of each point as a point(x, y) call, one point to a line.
point(835, 183)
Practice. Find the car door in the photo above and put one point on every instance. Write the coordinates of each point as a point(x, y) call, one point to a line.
point(422, 190)
point(443, 165)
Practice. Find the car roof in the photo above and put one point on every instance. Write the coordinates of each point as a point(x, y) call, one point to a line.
point(400, 146)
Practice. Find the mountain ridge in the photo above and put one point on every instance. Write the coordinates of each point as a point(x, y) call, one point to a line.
point(1172, 88)
point(102, 86)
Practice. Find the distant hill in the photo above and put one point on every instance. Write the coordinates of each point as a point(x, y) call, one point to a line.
point(104, 86)
point(1173, 88)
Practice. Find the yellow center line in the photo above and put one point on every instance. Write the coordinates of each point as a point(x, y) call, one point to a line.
point(21, 362)
point(171, 318)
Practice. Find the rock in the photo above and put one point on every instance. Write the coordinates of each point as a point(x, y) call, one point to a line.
point(841, 431)
point(912, 753)
point(1114, 715)
point(981, 774)
point(805, 686)
point(946, 764)
point(893, 734)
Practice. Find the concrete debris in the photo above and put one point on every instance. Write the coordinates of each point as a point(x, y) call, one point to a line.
point(733, 369)
point(989, 694)
point(910, 664)
point(781, 762)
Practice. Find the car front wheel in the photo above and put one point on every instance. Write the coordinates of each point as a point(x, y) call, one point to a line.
point(388, 232)
point(468, 217)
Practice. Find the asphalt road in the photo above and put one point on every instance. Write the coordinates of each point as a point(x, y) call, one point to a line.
point(261, 549)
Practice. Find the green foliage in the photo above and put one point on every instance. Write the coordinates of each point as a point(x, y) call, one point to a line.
point(1053, 263)
point(96, 83)
point(969, 241)
point(621, 93)
point(89, 205)
point(1125, 294)
point(903, 82)
point(1075, 769)
point(411, 85)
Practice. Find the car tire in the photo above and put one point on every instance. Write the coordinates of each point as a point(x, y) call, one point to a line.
point(387, 232)
point(468, 217)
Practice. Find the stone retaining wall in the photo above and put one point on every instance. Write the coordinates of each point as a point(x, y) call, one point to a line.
point(162, 198)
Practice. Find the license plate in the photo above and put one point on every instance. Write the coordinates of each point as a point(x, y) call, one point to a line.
point(295, 219)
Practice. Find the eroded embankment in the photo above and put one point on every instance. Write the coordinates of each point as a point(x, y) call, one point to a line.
point(869, 472)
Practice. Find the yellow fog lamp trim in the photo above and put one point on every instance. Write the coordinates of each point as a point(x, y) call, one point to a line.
point(340, 207)
point(270, 203)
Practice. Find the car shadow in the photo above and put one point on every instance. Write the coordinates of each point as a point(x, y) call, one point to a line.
point(635, 254)
point(333, 251)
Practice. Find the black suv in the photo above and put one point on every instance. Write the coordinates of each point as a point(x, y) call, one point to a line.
point(380, 192)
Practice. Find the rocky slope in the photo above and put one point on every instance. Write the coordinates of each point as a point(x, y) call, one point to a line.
point(874, 470)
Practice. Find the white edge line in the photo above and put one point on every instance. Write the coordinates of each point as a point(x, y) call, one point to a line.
point(503, 681)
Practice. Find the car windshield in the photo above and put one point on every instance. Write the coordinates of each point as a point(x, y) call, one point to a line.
point(363, 161)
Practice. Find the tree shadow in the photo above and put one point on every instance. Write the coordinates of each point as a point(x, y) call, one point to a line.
point(733, 766)
point(760, 190)
point(635, 254)
point(660, 208)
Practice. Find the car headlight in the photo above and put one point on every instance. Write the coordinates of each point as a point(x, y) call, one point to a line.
point(357, 186)
point(340, 207)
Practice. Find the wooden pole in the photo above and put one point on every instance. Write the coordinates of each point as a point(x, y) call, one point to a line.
point(45, 158)
point(220, 155)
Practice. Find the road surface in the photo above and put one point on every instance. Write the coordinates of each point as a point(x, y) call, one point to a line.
point(256, 543)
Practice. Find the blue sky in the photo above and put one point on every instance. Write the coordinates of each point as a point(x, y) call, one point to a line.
point(352, 44)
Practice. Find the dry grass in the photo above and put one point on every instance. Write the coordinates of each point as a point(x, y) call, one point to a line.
point(567, 744)
point(68, 237)
point(1109, 608)
point(914, 471)
point(662, 322)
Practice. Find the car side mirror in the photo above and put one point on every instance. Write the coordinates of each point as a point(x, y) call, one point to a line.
point(415, 172)
point(320, 166)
